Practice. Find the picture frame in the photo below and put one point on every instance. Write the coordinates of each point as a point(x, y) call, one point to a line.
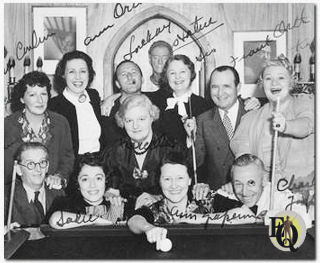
point(62, 29)
point(251, 51)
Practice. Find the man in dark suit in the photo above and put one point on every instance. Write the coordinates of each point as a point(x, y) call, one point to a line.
point(216, 126)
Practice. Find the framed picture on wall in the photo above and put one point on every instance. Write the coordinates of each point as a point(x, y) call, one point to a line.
point(251, 51)
point(62, 29)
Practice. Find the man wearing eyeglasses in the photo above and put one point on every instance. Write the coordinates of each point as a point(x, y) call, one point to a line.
point(32, 196)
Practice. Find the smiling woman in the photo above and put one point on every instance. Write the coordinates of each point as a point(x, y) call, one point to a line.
point(181, 103)
point(290, 115)
point(134, 162)
point(86, 205)
point(77, 102)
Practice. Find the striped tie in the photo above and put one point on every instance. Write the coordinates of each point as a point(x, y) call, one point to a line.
point(227, 124)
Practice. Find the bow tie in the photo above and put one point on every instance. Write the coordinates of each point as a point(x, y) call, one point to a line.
point(171, 103)
point(98, 210)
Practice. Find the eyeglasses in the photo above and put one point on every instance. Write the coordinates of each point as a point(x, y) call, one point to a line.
point(32, 165)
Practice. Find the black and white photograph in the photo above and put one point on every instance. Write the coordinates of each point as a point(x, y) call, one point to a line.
point(159, 131)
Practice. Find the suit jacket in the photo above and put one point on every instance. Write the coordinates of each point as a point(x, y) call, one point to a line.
point(25, 213)
point(212, 147)
point(61, 156)
point(61, 105)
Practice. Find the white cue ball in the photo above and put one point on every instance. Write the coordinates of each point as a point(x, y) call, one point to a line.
point(165, 245)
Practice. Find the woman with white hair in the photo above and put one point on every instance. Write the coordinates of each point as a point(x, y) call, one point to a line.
point(133, 162)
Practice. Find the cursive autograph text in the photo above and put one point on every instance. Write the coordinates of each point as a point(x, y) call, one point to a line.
point(283, 184)
point(224, 216)
point(88, 40)
point(283, 27)
point(118, 11)
point(206, 54)
point(79, 219)
point(267, 42)
point(21, 51)
point(144, 41)
point(197, 27)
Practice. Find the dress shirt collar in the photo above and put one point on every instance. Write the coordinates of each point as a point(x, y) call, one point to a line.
point(30, 193)
point(232, 113)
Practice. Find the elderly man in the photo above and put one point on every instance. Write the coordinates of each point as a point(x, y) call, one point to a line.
point(251, 187)
point(159, 52)
point(216, 126)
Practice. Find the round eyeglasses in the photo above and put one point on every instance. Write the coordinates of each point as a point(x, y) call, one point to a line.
point(32, 165)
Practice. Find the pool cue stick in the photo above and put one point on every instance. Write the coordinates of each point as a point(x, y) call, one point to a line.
point(13, 183)
point(274, 155)
point(194, 161)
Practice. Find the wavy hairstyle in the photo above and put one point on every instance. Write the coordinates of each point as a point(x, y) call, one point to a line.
point(91, 159)
point(281, 61)
point(31, 79)
point(134, 101)
point(164, 83)
point(59, 82)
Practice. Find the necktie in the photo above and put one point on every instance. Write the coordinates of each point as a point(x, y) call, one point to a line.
point(37, 203)
point(254, 209)
point(227, 124)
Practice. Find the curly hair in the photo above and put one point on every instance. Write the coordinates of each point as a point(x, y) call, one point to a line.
point(164, 83)
point(280, 61)
point(134, 101)
point(59, 82)
point(31, 79)
point(91, 159)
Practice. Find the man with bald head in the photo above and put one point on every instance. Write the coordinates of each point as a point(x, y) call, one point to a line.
point(128, 79)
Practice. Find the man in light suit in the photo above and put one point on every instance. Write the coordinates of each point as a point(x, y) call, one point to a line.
point(216, 126)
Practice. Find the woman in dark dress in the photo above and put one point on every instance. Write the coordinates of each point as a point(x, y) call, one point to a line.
point(133, 162)
point(77, 102)
point(86, 205)
point(177, 75)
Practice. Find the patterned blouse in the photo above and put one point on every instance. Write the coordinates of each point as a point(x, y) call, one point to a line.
point(28, 134)
point(159, 213)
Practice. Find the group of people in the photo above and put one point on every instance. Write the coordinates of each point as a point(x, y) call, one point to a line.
point(129, 158)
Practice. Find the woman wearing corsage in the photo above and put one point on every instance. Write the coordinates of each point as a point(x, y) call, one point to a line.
point(134, 162)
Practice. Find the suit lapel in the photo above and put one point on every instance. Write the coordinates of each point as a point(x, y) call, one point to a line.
point(218, 126)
